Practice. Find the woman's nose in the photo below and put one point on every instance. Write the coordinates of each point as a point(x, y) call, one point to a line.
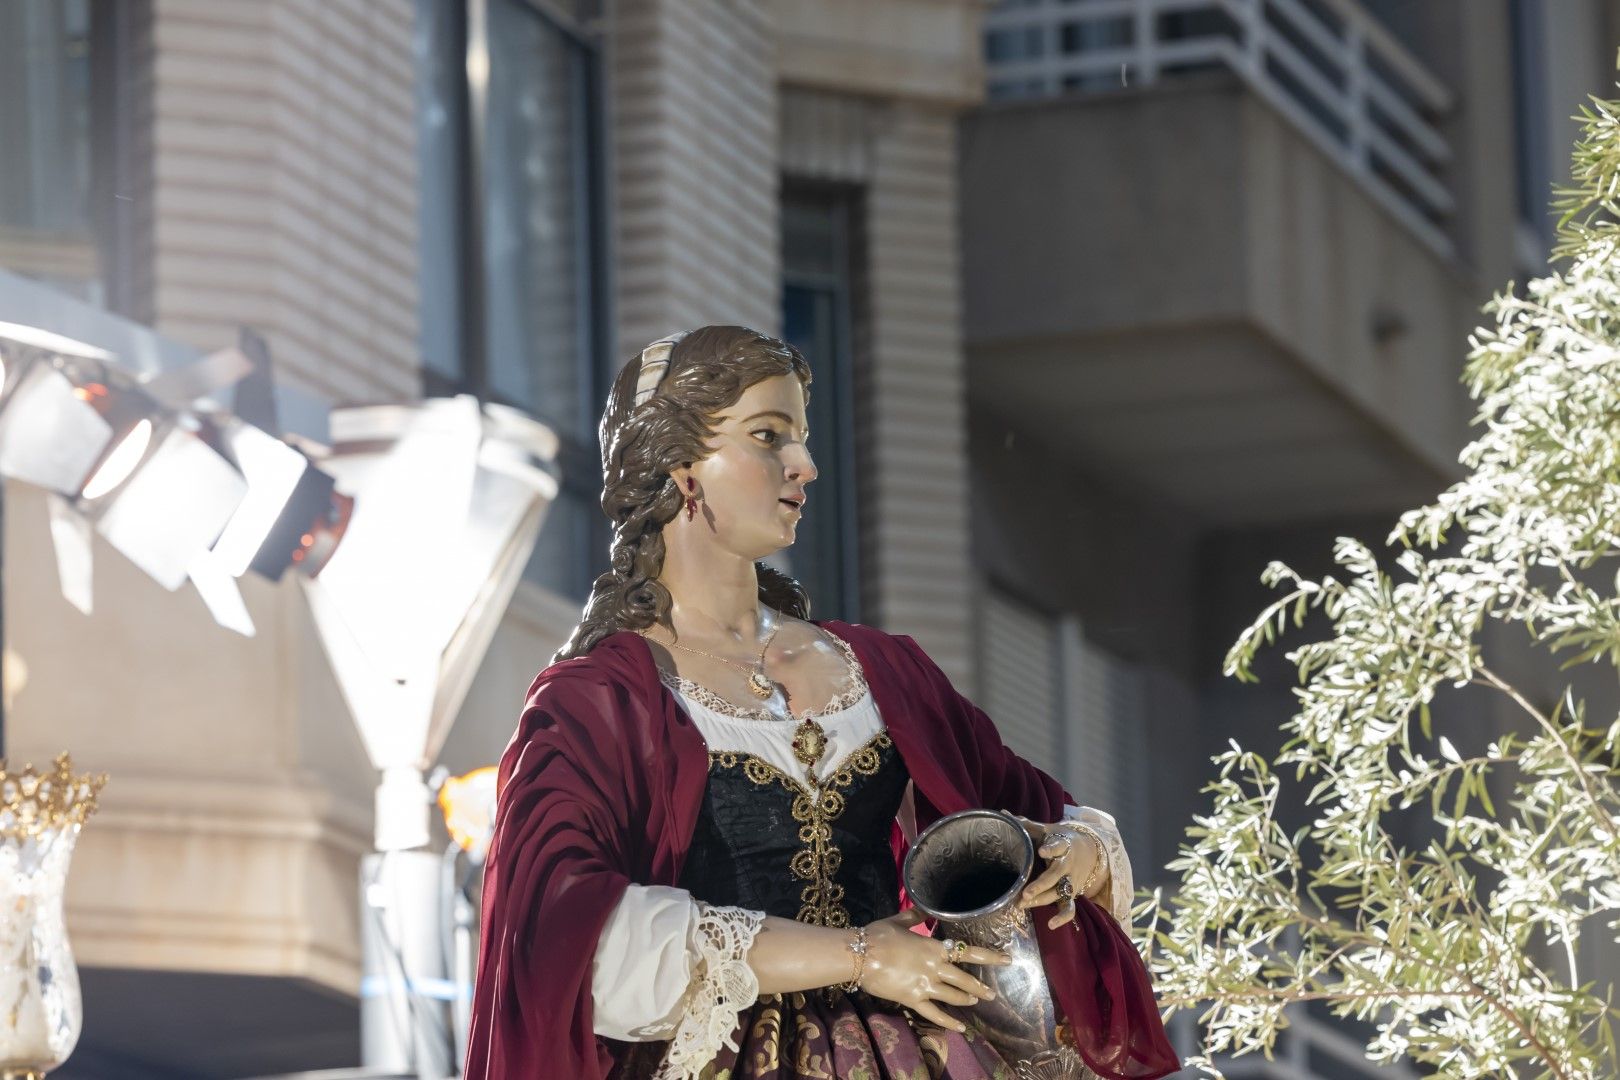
point(803, 466)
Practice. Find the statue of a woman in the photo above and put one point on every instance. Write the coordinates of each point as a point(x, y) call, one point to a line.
point(704, 808)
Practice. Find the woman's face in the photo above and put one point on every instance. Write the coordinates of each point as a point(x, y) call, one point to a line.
point(759, 458)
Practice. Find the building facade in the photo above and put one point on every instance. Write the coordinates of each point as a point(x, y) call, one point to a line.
point(1221, 262)
point(501, 197)
point(1107, 306)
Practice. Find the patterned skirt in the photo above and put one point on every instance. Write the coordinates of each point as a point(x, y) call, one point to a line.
point(833, 1034)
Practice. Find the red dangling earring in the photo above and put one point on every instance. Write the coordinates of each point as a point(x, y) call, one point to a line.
point(691, 503)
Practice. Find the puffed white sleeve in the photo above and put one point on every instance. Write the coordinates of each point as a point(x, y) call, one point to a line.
point(669, 966)
point(1123, 888)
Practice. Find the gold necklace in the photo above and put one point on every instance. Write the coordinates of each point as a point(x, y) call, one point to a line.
point(809, 738)
point(758, 682)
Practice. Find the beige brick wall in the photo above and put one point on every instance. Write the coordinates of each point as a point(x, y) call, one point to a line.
point(919, 539)
point(910, 388)
point(693, 113)
point(696, 173)
point(273, 184)
point(871, 94)
point(284, 186)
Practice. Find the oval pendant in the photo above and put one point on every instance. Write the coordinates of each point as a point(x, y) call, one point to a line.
point(760, 685)
point(809, 742)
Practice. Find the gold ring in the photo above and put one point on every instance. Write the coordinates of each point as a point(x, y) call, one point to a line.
point(1065, 887)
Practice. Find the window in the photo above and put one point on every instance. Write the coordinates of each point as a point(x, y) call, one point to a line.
point(57, 192)
point(1093, 35)
point(817, 268)
point(1020, 679)
point(1013, 43)
point(1104, 727)
point(1532, 175)
point(1071, 707)
point(512, 239)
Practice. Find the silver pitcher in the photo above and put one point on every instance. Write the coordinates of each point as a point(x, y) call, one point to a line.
point(966, 871)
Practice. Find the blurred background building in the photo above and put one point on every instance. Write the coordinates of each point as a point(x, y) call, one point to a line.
point(1109, 303)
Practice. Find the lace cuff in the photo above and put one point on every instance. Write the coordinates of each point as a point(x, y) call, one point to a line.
point(1122, 888)
point(723, 986)
point(1119, 877)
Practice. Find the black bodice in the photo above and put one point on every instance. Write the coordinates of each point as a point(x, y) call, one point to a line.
point(765, 841)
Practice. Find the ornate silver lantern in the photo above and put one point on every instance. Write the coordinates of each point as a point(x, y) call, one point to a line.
point(966, 871)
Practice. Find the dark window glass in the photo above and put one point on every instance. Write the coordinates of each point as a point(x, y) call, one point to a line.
point(1009, 89)
point(1013, 43)
point(439, 43)
point(1532, 177)
point(817, 267)
point(53, 113)
point(511, 241)
point(1094, 34)
point(537, 237)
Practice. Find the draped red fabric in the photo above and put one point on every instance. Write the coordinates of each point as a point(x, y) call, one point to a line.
point(957, 761)
point(601, 785)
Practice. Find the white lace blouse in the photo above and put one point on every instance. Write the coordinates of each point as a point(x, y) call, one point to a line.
point(670, 966)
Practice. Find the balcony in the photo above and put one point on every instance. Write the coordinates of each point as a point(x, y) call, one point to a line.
point(1337, 75)
point(1206, 251)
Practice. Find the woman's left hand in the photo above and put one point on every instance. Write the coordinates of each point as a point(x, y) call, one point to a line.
point(1068, 852)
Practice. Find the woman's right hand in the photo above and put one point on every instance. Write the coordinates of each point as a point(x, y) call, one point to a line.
point(911, 969)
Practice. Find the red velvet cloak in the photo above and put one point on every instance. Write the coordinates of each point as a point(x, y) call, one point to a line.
point(601, 786)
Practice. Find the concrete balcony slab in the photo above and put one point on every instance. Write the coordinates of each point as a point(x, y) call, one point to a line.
point(1175, 286)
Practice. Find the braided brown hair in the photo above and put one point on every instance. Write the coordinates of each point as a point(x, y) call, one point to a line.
point(709, 369)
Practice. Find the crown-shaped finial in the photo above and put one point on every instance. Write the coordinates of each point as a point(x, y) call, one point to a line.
point(32, 802)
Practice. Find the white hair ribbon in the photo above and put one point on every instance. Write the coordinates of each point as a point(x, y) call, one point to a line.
point(654, 366)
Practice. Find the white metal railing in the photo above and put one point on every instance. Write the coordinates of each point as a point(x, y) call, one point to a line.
point(1336, 73)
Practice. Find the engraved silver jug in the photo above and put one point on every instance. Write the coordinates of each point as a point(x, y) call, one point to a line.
point(966, 871)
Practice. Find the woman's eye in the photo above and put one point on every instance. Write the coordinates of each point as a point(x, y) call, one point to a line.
point(774, 437)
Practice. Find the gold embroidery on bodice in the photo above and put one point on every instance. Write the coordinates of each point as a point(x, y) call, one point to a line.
point(815, 808)
point(817, 803)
